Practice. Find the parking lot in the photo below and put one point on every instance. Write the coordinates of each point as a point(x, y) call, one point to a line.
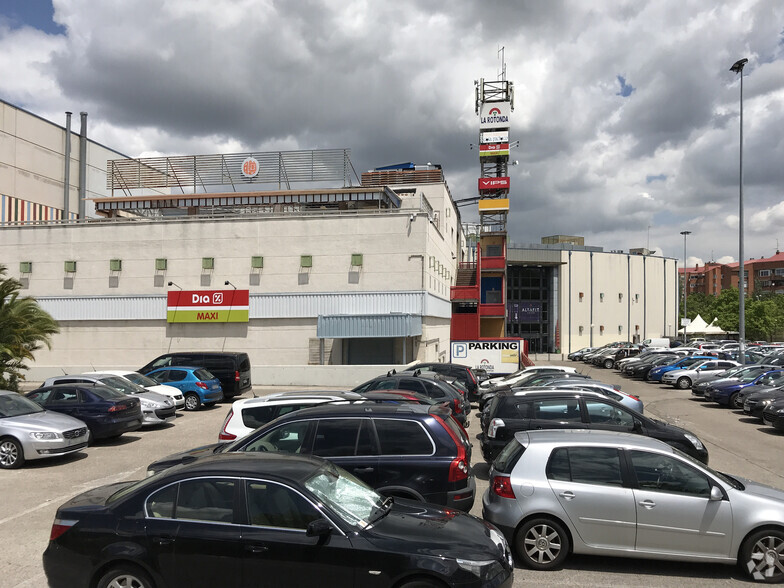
point(31, 494)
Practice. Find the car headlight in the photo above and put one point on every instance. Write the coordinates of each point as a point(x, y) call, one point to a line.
point(149, 405)
point(694, 441)
point(45, 436)
point(482, 569)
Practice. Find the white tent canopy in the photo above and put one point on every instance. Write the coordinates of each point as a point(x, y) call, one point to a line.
point(697, 326)
point(714, 329)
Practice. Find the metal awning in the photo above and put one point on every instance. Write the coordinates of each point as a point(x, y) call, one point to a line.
point(357, 326)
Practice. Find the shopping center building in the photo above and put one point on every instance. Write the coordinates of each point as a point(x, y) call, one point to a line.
point(324, 276)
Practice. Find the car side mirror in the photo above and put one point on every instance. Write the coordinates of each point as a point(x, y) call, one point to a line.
point(716, 494)
point(637, 426)
point(319, 528)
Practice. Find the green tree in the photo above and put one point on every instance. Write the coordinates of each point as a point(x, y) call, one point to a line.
point(24, 328)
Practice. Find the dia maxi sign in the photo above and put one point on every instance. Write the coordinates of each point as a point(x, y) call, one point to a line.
point(207, 306)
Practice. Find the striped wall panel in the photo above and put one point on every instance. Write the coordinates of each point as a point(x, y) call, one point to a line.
point(17, 210)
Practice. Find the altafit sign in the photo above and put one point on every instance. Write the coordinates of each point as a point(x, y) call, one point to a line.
point(208, 306)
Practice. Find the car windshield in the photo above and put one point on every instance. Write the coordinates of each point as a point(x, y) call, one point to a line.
point(106, 393)
point(121, 384)
point(350, 499)
point(140, 379)
point(12, 405)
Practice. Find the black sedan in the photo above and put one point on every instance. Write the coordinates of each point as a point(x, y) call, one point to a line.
point(266, 519)
point(106, 412)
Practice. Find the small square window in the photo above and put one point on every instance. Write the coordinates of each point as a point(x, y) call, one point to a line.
point(356, 259)
point(160, 263)
point(115, 265)
point(306, 261)
point(70, 267)
point(207, 263)
point(257, 262)
point(25, 267)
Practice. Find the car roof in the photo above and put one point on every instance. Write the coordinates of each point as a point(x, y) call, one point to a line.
point(590, 437)
point(292, 399)
point(550, 392)
point(179, 367)
point(280, 465)
point(334, 410)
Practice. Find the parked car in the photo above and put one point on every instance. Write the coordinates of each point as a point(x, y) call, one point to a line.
point(156, 408)
point(198, 386)
point(621, 397)
point(230, 367)
point(682, 378)
point(773, 414)
point(251, 413)
point(642, 368)
point(149, 384)
point(755, 404)
point(749, 372)
point(656, 374)
point(453, 370)
point(553, 493)
point(430, 386)
point(729, 394)
point(28, 432)
point(284, 520)
point(521, 411)
point(407, 451)
point(521, 375)
point(106, 412)
point(578, 355)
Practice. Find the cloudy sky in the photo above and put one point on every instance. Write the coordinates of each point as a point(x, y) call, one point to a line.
point(625, 110)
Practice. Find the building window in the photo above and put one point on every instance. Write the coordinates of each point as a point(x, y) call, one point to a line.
point(764, 273)
point(780, 271)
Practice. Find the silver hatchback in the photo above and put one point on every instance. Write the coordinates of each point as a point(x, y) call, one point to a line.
point(555, 492)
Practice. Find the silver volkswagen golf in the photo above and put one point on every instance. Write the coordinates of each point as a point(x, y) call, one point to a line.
point(555, 492)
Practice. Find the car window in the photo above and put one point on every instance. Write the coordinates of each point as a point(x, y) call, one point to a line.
point(175, 375)
point(161, 503)
point(562, 410)
point(336, 437)
point(106, 393)
point(432, 390)
point(604, 413)
point(202, 374)
point(514, 408)
point(64, 396)
point(413, 385)
point(403, 437)
point(274, 505)
point(206, 499)
point(122, 384)
point(663, 473)
point(41, 397)
point(256, 416)
point(586, 465)
point(244, 363)
point(289, 438)
point(164, 361)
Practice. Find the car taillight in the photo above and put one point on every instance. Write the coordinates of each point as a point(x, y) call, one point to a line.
point(223, 435)
point(236, 376)
point(502, 486)
point(471, 373)
point(458, 408)
point(495, 424)
point(117, 407)
point(458, 469)
point(202, 385)
point(60, 526)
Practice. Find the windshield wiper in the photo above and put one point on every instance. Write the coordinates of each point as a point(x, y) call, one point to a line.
point(384, 509)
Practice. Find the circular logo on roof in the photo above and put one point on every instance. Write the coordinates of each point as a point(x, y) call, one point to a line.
point(250, 167)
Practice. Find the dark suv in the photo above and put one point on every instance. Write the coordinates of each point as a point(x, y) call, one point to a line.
point(410, 451)
point(431, 386)
point(231, 368)
point(510, 412)
point(454, 370)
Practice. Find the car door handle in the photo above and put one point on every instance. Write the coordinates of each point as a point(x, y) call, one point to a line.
point(163, 540)
point(366, 470)
point(256, 548)
point(568, 495)
point(649, 504)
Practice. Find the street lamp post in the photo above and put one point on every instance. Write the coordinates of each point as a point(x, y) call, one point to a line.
point(685, 281)
point(737, 68)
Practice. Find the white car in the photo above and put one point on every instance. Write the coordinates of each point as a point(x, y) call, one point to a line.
point(140, 380)
point(248, 414)
point(684, 378)
point(512, 379)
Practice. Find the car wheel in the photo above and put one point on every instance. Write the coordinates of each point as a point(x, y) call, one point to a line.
point(125, 577)
point(11, 454)
point(608, 363)
point(422, 583)
point(683, 383)
point(735, 401)
point(542, 544)
point(192, 401)
point(761, 556)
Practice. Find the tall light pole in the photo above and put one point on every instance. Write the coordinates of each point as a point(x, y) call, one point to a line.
point(685, 281)
point(737, 68)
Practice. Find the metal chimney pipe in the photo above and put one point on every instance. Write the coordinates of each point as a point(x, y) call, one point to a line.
point(67, 174)
point(82, 165)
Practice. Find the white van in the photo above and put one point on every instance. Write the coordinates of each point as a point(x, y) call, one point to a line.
point(656, 342)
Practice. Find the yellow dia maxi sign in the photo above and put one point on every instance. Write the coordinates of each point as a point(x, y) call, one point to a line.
point(208, 306)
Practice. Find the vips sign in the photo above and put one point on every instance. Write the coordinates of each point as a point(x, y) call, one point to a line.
point(493, 184)
point(208, 306)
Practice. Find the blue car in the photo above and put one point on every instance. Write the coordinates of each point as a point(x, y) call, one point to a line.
point(655, 375)
point(199, 387)
point(728, 394)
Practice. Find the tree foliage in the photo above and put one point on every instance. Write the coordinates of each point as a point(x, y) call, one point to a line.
point(24, 328)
